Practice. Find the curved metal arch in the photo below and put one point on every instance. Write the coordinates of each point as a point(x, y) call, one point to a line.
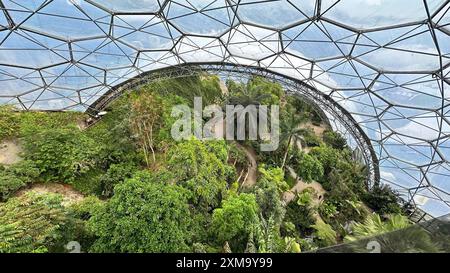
point(323, 103)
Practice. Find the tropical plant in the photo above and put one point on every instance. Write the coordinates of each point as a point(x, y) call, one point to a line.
point(145, 119)
point(395, 235)
point(334, 139)
point(117, 173)
point(273, 175)
point(31, 223)
point(234, 220)
point(16, 177)
point(308, 168)
point(9, 122)
point(374, 225)
point(136, 218)
point(383, 200)
point(325, 233)
point(267, 235)
point(301, 216)
point(268, 197)
point(61, 154)
point(305, 197)
point(201, 167)
point(291, 133)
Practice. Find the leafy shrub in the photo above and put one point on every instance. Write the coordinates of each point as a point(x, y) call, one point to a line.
point(116, 174)
point(16, 177)
point(9, 122)
point(306, 196)
point(274, 175)
point(89, 183)
point(143, 217)
point(334, 139)
point(309, 168)
point(327, 210)
point(31, 223)
point(311, 139)
point(9, 184)
point(268, 198)
point(233, 222)
point(383, 200)
point(61, 154)
point(201, 167)
point(325, 233)
point(327, 156)
point(76, 228)
point(301, 216)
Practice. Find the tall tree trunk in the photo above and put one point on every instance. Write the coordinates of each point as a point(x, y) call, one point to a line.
point(143, 144)
point(287, 152)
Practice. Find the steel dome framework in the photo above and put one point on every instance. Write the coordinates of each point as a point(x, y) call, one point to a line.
point(386, 62)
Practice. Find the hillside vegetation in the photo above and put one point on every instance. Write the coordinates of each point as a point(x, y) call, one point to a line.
point(145, 192)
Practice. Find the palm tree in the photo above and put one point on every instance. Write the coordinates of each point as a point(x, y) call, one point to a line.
point(291, 131)
point(397, 234)
point(373, 225)
point(247, 97)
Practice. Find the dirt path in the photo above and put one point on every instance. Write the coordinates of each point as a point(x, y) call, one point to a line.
point(301, 186)
point(10, 152)
point(70, 195)
point(252, 173)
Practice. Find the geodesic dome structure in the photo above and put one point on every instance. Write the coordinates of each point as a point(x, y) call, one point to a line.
point(387, 63)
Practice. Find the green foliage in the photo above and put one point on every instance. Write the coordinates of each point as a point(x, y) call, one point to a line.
point(308, 168)
point(292, 246)
point(143, 217)
point(16, 177)
point(334, 140)
point(9, 184)
point(34, 122)
point(301, 216)
point(327, 210)
point(374, 225)
point(117, 173)
point(61, 154)
point(173, 207)
point(205, 86)
point(234, 221)
point(327, 156)
point(257, 91)
point(9, 123)
point(237, 155)
point(396, 235)
point(267, 236)
point(275, 176)
point(201, 167)
point(20, 124)
point(383, 200)
point(89, 183)
point(31, 223)
point(291, 133)
point(268, 197)
point(113, 135)
point(325, 233)
point(272, 92)
point(77, 227)
point(311, 139)
point(305, 197)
